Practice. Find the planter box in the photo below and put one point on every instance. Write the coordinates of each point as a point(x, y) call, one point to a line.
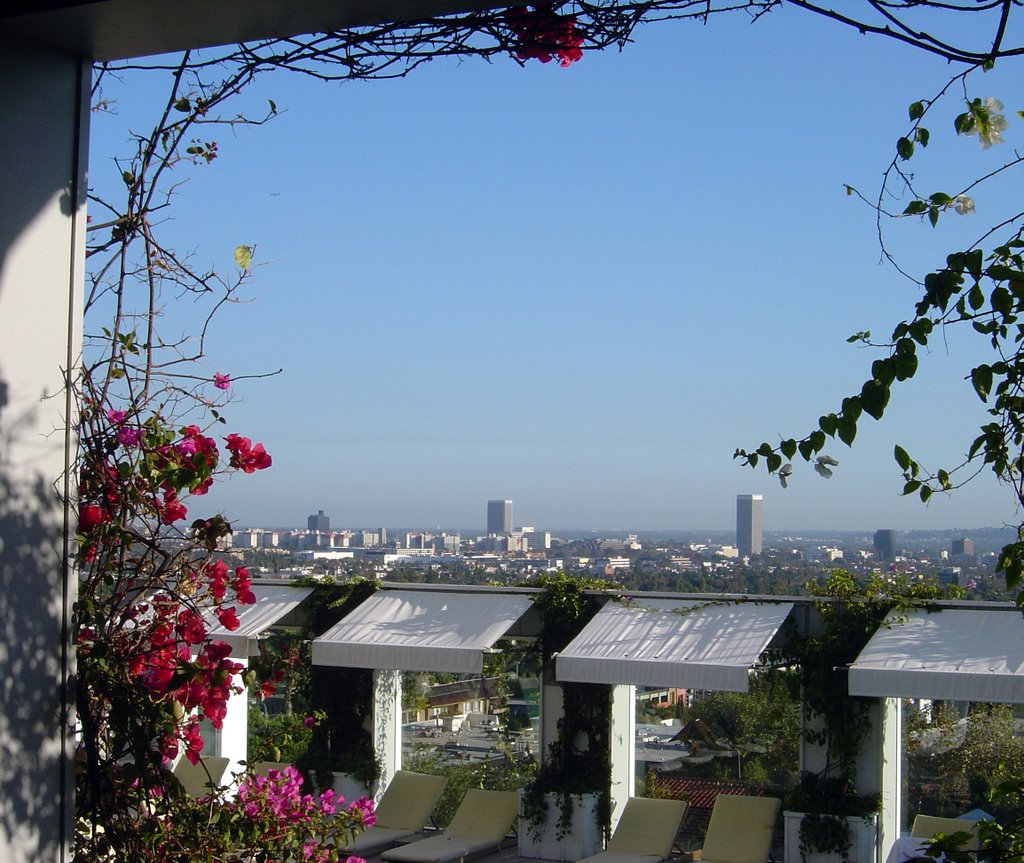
point(349, 787)
point(863, 841)
point(583, 839)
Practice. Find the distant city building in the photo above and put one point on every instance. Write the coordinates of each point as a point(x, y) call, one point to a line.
point(448, 542)
point(499, 516)
point(963, 546)
point(366, 538)
point(318, 523)
point(749, 523)
point(885, 544)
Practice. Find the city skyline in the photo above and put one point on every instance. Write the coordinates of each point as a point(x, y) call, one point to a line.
point(693, 294)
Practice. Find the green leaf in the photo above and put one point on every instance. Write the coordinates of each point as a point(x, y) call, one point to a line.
point(906, 366)
point(874, 396)
point(884, 371)
point(774, 462)
point(828, 424)
point(976, 297)
point(911, 486)
point(273, 106)
point(905, 148)
point(806, 449)
point(128, 177)
point(915, 208)
point(922, 136)
point(925, 493)
point(243, 256)
point(916, 110)
point(183, 105)
point(940, 199)
point(847, 430)
point(788, 448)
point(981, 380)
point(933, 215)
point(920, 330)
point(901, 456)
point(964, 123)
point(817, 440)
point(851, 408)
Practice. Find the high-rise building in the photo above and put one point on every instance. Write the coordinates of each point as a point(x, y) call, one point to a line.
point(885, 544)
point(749, 523)
point(318, 523)
point(963, 546)
point(499, 516)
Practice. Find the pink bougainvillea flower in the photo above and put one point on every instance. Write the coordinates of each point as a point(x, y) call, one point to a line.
point(173, 509)
point(245, 456)
point(543, 35)
point(193, 741)
point(221, 382)
point(129, 436)
point(228, 618)
point(89, 517)
point(309, 722)
point(190, 627)
point(116, 417)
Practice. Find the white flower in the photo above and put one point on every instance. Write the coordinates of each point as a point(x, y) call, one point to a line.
point(784, 473)
point(989, 123)
point(822, 465)
point(964, 205)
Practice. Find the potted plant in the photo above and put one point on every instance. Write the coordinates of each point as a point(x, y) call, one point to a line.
point(340, 754)
point(827, 818)
point(826, 822)
point(565, 812)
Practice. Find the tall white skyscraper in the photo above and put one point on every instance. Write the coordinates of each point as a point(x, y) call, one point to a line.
point(749, 523)
point(499, 516)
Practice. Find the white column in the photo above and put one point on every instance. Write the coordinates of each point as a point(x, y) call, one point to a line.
point(623, 735)
point(387, 723)
point(892, 775)
point(234, 733)
point(43, 153)
point(551, 711)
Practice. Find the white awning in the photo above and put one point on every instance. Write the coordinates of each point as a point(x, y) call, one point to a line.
point(415, 630)
point(954, 654)
point(663, 642)
point(272, 604)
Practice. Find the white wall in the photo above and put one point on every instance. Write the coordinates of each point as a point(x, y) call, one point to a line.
point(42, 165)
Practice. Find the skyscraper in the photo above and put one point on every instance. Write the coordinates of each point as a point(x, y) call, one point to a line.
point(749, 523)
point(963, 546)
point(318, 523)
point(499, 516)
point(885, 544)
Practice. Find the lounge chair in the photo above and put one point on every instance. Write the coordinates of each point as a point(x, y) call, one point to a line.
point(926, 826)
point(645, 832)
point(481, 822)
point(740, 830)
point(204, 777)
point(403, 811)
point(263, 768)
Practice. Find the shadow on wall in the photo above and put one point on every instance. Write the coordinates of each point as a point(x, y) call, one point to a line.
point(34, 778)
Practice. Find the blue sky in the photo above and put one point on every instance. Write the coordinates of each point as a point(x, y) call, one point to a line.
point(580, 289)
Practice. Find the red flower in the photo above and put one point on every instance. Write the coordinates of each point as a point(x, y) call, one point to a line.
point(190, 627)
point(228, 619)
point(90, 516)
point(245, 456)
point(543, 35)
point(173, 509)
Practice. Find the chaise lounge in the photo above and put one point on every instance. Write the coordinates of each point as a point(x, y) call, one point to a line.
point(645, 832)
point(481, 822)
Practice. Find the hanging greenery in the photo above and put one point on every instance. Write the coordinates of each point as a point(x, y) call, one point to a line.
point(578, 761)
